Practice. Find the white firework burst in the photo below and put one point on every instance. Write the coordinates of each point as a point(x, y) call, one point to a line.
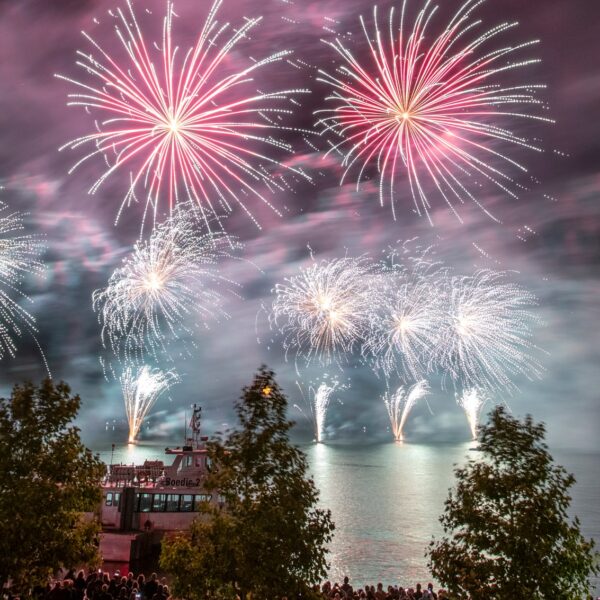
point(166, 288)
point(323, 311)
point(487, 338)
point(406, 320)
point(20, 256)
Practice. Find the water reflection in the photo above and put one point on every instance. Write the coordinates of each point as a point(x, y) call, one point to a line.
point(385, 501)
point(137, 453)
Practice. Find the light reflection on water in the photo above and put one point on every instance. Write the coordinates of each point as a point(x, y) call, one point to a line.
point(386, 500)
point(134, 453)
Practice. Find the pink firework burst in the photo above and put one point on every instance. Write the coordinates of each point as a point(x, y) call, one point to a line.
point(431, 108)
point(188, 128)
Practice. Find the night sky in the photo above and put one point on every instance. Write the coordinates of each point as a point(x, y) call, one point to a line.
point(549, 237)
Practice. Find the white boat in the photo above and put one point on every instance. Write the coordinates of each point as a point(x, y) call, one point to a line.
point(141, 503)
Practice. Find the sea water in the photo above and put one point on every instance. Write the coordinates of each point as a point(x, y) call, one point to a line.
point(386, 500)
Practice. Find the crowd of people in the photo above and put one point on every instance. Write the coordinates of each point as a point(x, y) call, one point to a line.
point(345, 591)
point(99, 585)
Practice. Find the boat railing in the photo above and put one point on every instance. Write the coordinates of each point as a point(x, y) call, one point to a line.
point(119, 475)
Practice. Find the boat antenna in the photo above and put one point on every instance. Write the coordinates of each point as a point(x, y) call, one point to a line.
point(185, 437)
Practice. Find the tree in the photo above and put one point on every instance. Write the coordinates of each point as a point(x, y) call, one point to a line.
point(270, 538)
point(507, 533)
point(47, 480)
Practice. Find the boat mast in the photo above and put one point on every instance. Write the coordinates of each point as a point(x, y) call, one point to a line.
point(195, 423)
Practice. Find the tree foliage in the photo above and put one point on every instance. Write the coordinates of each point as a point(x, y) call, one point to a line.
point(507, 532)
point(47, 480)
point(270, 538)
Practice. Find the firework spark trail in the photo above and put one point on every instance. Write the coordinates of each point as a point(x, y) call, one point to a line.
point(322, 398)
point(142, 387)
point(401, 402)
point(472, 401)
point(406, 320)
point(20, 256)
point(487, 339)
point(319, 397)
point(431, 107)
point(323, 311)
point(188, 129)
point(166, 283)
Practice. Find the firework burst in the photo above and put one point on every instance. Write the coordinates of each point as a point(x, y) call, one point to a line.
point(166, 283)
point(142, 387)
point(433, 108)
point(400, 403)
point(405, 323)
point(472, 401)
point(323, 312)
point(317, 399)
point(188, 128)
point(487, 337)
point(19, 256)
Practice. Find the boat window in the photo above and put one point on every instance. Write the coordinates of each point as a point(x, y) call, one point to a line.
point(200, 499)
point(187, 501)
point(145, 503)
point(188, 461)
point(158, 504)
point(109, 499)
point(172, 503)
point(116, 499)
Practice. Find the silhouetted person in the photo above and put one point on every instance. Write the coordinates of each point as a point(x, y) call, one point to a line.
point(347, 588)
point(160, 594)
point(151, 587)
